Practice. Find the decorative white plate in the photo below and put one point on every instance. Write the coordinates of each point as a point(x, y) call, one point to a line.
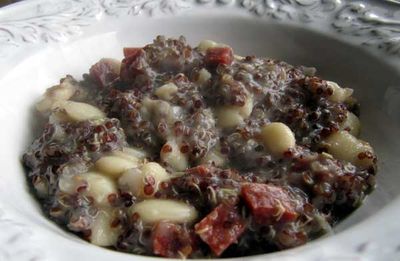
point(354, 43)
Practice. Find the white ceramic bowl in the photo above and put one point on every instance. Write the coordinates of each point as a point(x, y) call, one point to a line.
point(355, 44)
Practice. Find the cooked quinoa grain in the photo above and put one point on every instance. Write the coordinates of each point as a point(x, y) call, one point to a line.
point(197, 152)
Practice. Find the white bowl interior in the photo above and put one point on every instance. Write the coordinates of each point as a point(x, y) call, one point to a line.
point(374, 82)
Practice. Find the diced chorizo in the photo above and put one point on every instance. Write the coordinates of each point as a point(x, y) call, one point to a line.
point(221, 228)
point(131, 51)
point(105, 71)
point(172, 240)
point(132, 69)
point(269, 203)
point(219, 55)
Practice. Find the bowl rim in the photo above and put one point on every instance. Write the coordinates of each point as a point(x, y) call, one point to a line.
point(340, 19)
